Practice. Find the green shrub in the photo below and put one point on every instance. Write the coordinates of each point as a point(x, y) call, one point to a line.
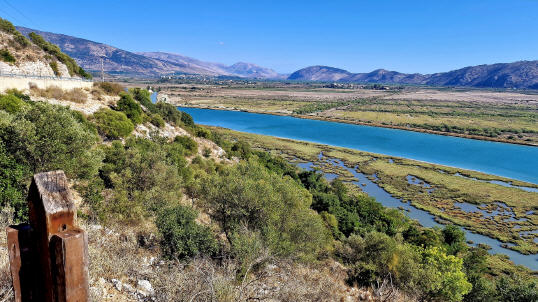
point(516, 290)
point(13, 181)
point(42, 138)
point(144, 98)
point(47, 137)
point(18, 93)
point(169, 113)
point(190, 145)
point(54, 66)
point(6, 56)
point(203, 132)
point(11, 103)
point(278, 208)
point(132, 109)
point(8, 27)
point(144, 176)
point(112, 124)
point(206, 152)
point(182, 236)
point(157, 120)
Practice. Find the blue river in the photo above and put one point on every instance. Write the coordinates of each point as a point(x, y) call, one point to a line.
point(508, 160)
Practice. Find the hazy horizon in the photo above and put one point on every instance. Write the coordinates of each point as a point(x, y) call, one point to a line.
point(407, 37)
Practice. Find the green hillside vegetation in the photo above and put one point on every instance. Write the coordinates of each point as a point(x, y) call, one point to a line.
point(8, 27)
point(259, 207)
point(55, 51)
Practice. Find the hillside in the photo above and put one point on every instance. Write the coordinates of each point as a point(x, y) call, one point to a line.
point(33, 56)
point(522, 74)
point(118, 61)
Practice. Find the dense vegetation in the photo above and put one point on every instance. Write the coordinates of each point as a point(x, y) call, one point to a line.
point(259, 207)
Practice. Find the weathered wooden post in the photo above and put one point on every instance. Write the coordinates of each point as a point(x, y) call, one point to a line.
point(49, 258)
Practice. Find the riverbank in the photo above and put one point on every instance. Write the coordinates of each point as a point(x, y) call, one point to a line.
point(443, 191)
point(348, 121)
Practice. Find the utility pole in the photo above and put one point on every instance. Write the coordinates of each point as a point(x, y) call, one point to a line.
point(102, 71)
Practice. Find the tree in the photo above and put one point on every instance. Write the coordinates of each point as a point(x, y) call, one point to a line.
point(443, 275)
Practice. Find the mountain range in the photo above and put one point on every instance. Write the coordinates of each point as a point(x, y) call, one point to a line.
point(88, 54)
point(522, 74)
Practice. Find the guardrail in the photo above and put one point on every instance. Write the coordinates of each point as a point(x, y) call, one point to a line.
point(15, 75)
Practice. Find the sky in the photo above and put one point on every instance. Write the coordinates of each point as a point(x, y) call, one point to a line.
point(359, 36)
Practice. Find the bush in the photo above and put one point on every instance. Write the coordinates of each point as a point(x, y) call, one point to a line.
point(144, 98)
point(190, 145)
point(112, 124)
point(169, 113)
point(203, 132)
point(144, 176)
point(182, 236)
point(47, 137)
point(54, 66)
point(278, 208)
point(157, 120)
point(11, 103)
point(6, 56)
point(110, 88)
point(18, 93)
point(132, 109)
point(13, 179)
point(516, 290)
point(8, 27)
point(41, 138)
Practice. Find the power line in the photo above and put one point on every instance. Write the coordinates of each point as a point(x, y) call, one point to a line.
point(11, 17)
point(20, 13)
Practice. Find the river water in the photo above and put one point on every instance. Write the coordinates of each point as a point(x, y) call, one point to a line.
point(508, 160)
point(512, 161)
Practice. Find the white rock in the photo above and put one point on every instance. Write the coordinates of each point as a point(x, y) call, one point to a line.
point(145, 287)
point(117, 284)
point(128, 288)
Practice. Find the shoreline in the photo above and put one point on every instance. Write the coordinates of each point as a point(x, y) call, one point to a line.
point(336, 120)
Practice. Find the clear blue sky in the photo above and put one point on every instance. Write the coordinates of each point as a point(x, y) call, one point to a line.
point(407, 36)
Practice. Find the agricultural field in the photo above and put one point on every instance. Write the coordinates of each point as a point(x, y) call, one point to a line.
point(489, 115)
point(502, 212)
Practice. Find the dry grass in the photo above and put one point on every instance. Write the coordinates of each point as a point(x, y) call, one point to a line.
point(118, 255)
point(75, 95)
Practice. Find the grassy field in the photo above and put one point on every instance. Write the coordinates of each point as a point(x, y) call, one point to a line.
point(503, 116)
point(449, 188)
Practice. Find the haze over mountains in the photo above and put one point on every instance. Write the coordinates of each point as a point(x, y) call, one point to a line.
point(522, 74)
